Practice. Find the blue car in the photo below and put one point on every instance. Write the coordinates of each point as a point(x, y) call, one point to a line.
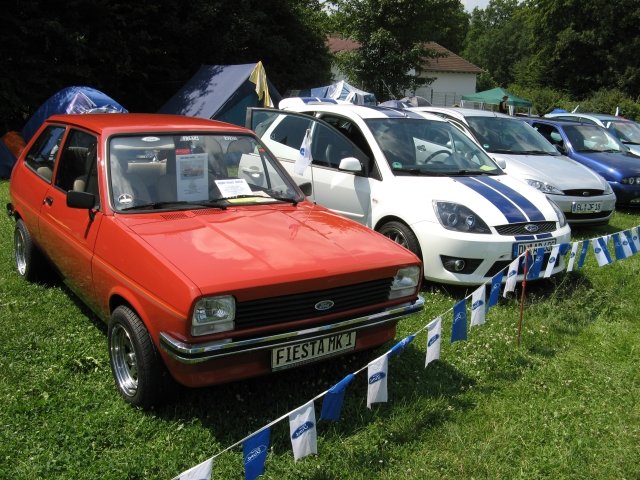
point(598, 149)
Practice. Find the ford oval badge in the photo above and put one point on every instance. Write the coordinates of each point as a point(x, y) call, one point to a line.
point(530, 227)
point(323, 305)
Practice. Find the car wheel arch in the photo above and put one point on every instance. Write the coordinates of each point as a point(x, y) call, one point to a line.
point(391, 219)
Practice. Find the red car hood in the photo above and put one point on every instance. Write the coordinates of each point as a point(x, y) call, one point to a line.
point(260, 246)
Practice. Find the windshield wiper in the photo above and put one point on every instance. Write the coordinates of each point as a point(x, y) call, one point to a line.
point(180, 203)
point(421, 171)
point(498, 150)
point(537, 152)
point(475, 172)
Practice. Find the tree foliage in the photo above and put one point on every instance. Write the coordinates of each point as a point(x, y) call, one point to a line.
point(140, 53)
point(392, 34)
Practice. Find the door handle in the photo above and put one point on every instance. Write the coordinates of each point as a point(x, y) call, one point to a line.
point(48, 200)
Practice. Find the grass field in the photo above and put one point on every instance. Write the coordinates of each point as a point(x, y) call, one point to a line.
point(564, 404)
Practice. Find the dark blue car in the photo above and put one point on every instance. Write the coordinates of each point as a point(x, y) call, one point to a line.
point(596, 148)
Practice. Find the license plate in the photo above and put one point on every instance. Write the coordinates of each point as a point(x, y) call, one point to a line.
point(586, 207)
point(519, 248)
point(312, 350)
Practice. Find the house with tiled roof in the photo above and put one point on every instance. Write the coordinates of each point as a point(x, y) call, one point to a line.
point(453, 75)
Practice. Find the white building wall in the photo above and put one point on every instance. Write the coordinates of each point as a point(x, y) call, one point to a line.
point(447, 88)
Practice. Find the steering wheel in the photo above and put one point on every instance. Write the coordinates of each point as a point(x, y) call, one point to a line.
point(435, 154)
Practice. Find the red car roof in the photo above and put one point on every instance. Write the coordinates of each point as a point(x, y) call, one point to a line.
point(131, 122)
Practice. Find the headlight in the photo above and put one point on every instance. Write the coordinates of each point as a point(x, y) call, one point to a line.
point(607, 188)
point(631, 181)
point(454, 216)
point(544, 187)
point(405, 282)
point(213, 315)
point(561, 218)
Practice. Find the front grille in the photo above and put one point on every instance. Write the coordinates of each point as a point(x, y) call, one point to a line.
point(519, 228)
point(583, 192)
point(300, 306)
point(587, 216)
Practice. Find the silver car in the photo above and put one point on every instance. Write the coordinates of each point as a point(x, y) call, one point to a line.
point(583, 195)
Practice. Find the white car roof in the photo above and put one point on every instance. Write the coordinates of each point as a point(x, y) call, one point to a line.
point(460, 113)
point(303, 104)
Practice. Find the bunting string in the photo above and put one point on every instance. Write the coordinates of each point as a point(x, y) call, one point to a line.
point(302, 421)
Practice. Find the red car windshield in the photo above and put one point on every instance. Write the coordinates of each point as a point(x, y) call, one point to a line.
point(187, 169)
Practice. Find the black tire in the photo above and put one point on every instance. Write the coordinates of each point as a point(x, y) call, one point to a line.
point(402, 235)
point(139, 373)
point(27, 257)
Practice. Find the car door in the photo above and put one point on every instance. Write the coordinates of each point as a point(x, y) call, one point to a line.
point(347, 192)
point(67, 234)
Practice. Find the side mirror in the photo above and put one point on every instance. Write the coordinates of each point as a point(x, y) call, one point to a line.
point(82, 200)
point(560, 148)
point(501, 162)
point(350, 164)
point(306, 188)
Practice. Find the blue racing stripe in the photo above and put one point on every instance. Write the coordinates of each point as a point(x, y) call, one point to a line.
point(506, 207)
point(543, 235)
point(534, 214)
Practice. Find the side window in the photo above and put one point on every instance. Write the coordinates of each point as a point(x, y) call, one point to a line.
point(290, 131)
point(77, 164)
point(328, 147)
point(349, 130)
point(548, 132)
point(42, 155)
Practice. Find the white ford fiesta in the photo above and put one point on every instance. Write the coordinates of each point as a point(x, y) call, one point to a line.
point(416, 179)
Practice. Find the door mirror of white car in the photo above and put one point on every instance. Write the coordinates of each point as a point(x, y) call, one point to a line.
point(350, 164)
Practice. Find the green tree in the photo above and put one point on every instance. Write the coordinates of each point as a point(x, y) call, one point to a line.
point(392, 34)
point(582, 47)
point(497, 39)
point(141, 52)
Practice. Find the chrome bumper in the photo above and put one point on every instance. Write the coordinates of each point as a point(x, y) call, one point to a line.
point(191, 353)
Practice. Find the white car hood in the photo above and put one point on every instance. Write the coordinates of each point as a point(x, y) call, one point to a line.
point(559, 171)
point(497, 199)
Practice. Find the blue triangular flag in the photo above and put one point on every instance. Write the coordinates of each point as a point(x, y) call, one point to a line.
point(536, 267)
point(459, 327)
point(632, 244)
point(254, 451)
point(399, 347)
point(618, 247)
point(332, 404)
point(496, 283)
point(583, 253)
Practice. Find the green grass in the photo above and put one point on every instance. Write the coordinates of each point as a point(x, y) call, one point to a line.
point(562, 404)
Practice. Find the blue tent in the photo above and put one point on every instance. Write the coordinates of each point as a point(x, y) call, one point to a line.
point(71, 100)
point(223, 92)
point(7, 159)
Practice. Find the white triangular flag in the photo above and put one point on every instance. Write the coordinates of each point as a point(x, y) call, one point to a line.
point(302, 428)
point(377, 380)
point(478, 306)
point(600, 249)
point(304, 159)
point(512, 273)
point(202, 471)
point(553, 256)
point(635, 237)
point(572, 256)
point(434, 335)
